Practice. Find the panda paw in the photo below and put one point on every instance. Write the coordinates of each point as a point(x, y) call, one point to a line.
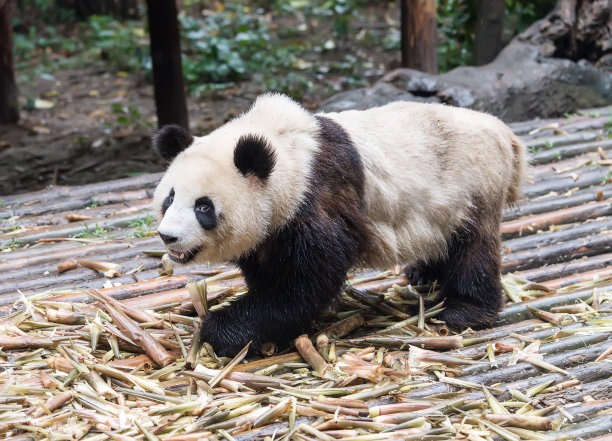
point(226, 336)
point(462, 315)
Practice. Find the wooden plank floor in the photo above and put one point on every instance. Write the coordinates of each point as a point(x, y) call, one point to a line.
point(560, 237)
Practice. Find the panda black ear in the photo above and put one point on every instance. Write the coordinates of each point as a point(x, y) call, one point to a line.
point(254, 155)
point(171, 140)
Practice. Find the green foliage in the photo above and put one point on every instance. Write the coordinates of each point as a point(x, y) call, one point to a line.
point(128, 115)
point(13, 244)
point(124, 44)
point(455, 21)
point(292, 46)
point(98, 232)
point(222, 47)
point(608, 127)
point(102, 40)
point(456, 25)
point(45, 10)
point(144, 227)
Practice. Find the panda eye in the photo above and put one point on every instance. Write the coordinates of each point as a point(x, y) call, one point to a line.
point(204, 205)
point(205, 213)
point(168, 201)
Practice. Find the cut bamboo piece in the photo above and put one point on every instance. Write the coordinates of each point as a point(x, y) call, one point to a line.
point(310, 354)
point(140, 336)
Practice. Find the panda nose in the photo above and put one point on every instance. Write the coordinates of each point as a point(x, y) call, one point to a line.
point(167, 239)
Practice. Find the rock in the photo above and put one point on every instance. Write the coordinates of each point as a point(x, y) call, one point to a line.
point(559, 65)
point(360, 99)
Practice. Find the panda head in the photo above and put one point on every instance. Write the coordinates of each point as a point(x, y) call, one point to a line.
point(213, 203)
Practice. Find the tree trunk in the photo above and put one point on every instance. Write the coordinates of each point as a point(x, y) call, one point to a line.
point(419, 35)
point(9, 112)
point(167, 69)
point(489, 28)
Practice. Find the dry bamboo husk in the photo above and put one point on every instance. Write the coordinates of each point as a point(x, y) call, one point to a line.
point(151, 346)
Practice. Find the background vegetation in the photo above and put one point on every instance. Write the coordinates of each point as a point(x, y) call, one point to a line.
point(293, 46)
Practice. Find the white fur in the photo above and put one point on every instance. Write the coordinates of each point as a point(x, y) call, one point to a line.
point(424, 164)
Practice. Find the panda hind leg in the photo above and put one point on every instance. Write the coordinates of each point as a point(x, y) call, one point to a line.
point(472, 286)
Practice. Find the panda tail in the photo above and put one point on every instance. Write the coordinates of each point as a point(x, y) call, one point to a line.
point(519, 152)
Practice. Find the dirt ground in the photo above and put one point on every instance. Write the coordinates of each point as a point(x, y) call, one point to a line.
point(80, 139)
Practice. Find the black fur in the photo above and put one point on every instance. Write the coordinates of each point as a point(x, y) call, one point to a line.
point(469, 275)
point(298, 271)
point(253, 155)
point(168, 201)
point(205, 213)
point(171, 140)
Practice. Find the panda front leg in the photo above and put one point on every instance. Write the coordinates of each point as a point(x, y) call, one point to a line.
point(472, 285)
point(292, 277)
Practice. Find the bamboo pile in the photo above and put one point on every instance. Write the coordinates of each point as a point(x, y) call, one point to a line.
point(112, 369)
point(98, 333)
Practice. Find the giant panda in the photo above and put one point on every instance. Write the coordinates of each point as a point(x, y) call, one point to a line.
point(297, 199)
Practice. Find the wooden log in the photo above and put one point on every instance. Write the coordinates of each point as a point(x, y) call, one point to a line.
point(44, 258)
point(587, 374)
point(599, 425)
point(555, 237)
point(499, 339)
point(561, 140)
point(548, 348)
point(419, 35)
point(71, 230)
point(46, 196)
point(585, 246)
point(525, 375)
point(559, 202)
point(550, 127)
point(531, 224)
point(517, 312)
point(599, 390)
point(588, 276)
point(557, 153)
point(549, 272)
point(9, 108)
point(583, 177)
point(103, 202)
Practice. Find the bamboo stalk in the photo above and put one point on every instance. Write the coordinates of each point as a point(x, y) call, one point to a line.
point(345, 327)
point(310, 354)
point(151, 346)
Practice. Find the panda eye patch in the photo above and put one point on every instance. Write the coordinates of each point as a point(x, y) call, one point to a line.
point(205, 213)
point(168, 201)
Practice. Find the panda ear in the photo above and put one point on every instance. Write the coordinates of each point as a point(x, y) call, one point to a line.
point(171, 140)
point(254, 155)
